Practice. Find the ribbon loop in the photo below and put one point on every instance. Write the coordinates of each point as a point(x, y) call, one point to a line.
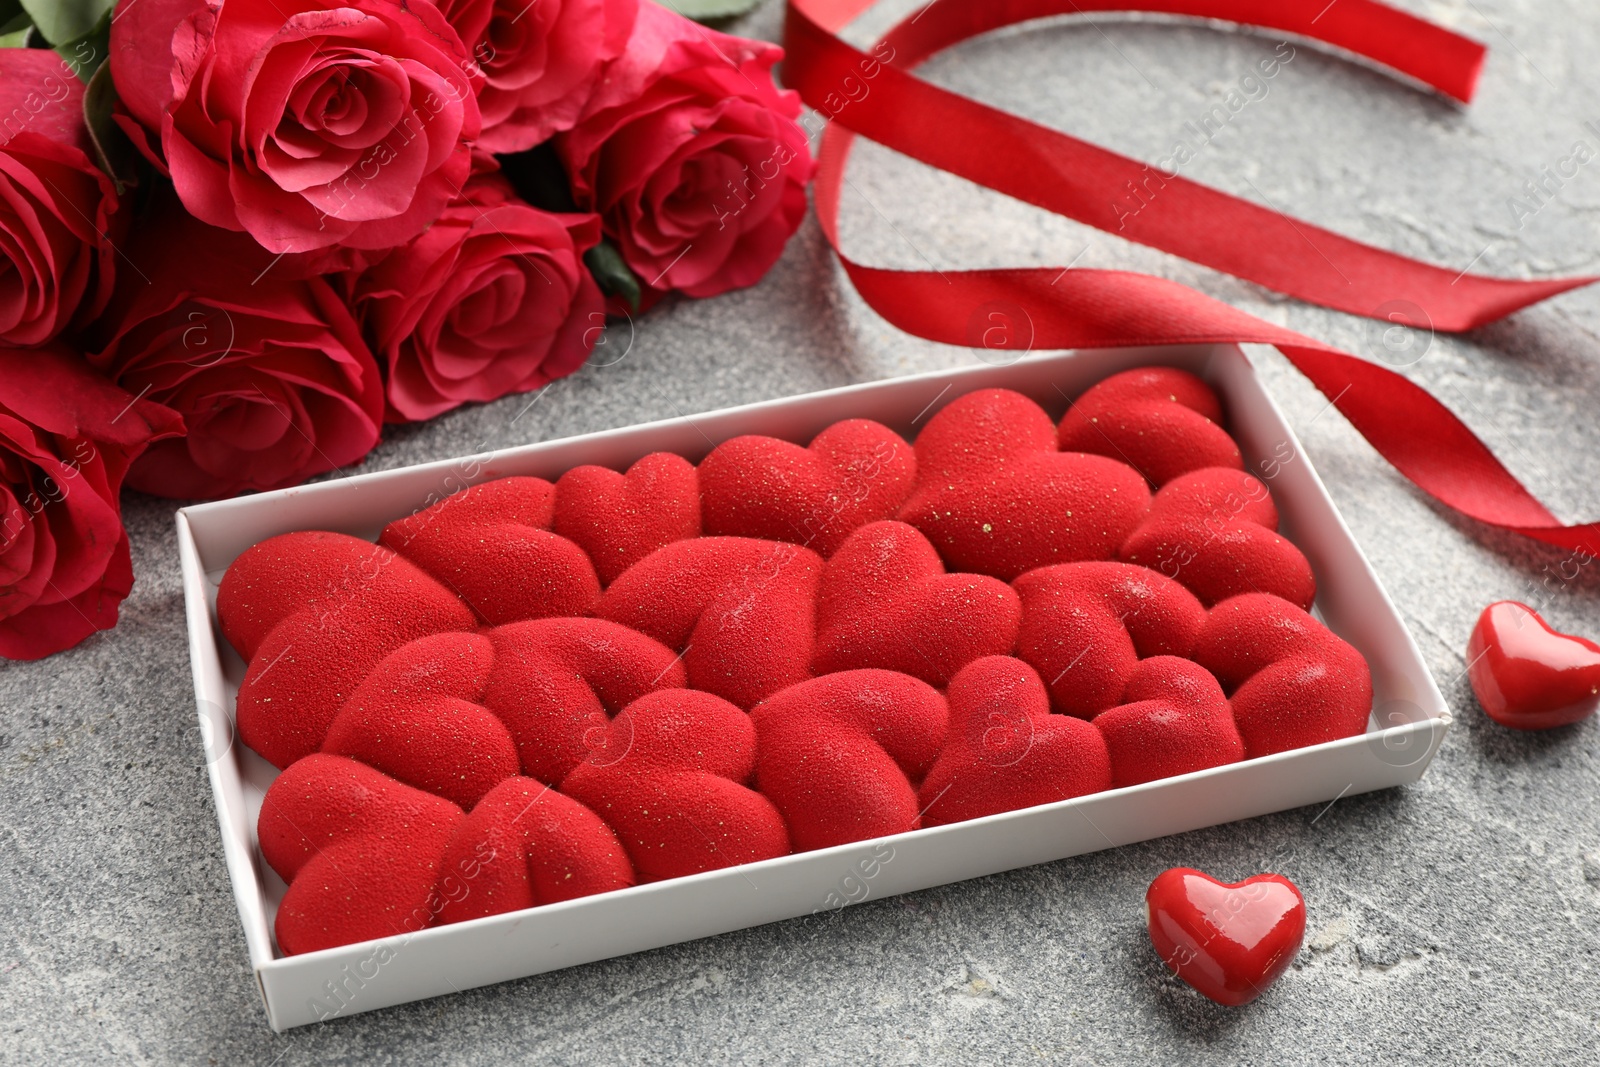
point(1092, 185)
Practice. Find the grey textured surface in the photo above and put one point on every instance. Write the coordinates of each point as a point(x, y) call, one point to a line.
point(1458, 920)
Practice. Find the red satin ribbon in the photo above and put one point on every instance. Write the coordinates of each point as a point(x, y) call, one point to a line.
point(876, 96)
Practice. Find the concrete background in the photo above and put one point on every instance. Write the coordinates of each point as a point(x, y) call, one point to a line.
point(1457, 920)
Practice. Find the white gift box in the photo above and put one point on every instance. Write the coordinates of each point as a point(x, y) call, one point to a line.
point(1408, 723)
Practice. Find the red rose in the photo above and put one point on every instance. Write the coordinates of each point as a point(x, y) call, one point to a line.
point(56, 207)
point(306, 123)
point(691, 156)
point(269, 371)
point(66, 438)
point(492, 299)
point(540, 61)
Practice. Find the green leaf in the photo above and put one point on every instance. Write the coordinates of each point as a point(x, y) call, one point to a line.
point(113, 152)
point(613, 275)
point(62, 22)
point(711, 10)
point(16, 28)
point(88, 53)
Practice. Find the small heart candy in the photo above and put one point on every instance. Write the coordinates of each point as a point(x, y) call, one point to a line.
point(1229, 942)
point(1528, 676)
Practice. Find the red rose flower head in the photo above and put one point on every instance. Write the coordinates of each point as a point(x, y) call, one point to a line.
point(491, 299)
point(66, 438)
point(306, 123)
point(57, 209)
point(691, 156)
point(269, 371)
point(540, 61)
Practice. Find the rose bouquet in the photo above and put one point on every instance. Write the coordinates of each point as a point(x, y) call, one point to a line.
point(237, 237)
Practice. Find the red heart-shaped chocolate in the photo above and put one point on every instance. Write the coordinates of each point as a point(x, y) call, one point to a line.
point(1085, 627)
point(418, 717)
point(311, 570)
point(1292, 682)
point(357, 610)
point(1528, 676)
point(1173, 719)
point(1230, 942)
point(852, 473)
point(742, 611)
point(518, 500)
point(526, 844)
point(491, 545)
point(995, 497)
point(620, 519)
point(671, 778)
point(1160, 421)
point(1005, 750)
point(361, 852)
point(841, 755)
point(1216, 531)
point(556, 684)
point(885, 601)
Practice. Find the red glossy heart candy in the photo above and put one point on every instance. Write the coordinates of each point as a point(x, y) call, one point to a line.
point(1230, 942)
point(1528, 676)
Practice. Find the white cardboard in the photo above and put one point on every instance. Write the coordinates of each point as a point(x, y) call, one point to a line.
point(1409, 717)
